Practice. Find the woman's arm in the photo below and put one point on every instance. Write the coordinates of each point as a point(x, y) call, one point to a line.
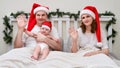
point(74, 36)
point(74, 46)
point(104, 51)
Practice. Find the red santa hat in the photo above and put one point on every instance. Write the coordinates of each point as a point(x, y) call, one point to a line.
point(91, 10)
point(47, 24)
point(32, 20)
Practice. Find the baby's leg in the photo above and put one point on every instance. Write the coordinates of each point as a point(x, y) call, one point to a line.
point(45, 53)
point(36, 52)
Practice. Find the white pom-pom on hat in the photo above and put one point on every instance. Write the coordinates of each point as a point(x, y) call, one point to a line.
point(99, 44)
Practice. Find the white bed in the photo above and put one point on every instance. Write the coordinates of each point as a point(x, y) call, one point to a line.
point(21, 57)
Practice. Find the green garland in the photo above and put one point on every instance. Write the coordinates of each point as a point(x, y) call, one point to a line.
point(18, 13)
point(112, 21)
point(9, 28)
point(61, 14)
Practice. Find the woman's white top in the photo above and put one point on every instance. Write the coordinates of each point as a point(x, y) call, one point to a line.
point(89, 40)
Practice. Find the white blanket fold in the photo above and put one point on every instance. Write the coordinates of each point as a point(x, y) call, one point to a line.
point(21, 58)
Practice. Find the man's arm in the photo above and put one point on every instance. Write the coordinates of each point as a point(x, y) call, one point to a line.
point(53, 44)
point(21, 21)
point(18, 40)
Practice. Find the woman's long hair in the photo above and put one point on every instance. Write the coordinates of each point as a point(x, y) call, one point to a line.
point(93, 27)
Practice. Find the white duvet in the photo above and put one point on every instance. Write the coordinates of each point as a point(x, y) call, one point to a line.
point(21, 58)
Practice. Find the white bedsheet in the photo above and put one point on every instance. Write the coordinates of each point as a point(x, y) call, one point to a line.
point(21, 58)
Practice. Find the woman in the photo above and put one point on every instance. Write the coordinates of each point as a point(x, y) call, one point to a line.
point(89, 36)
point(37, 17)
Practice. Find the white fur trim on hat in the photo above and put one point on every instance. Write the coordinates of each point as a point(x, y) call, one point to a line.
point(41, 8)
point(86, 11)
point(44, 26)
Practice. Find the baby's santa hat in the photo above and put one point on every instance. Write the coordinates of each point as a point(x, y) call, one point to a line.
point(47, 24)
point(91, 10)
point(32, 20)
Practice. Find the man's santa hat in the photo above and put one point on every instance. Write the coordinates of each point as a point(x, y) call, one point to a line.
point(91, 10)
point(47, 24)
point(32, 20)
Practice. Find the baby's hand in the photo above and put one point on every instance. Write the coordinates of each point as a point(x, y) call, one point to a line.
point(40, 37)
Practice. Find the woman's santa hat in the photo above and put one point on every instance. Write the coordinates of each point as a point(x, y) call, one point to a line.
point(91, 10)
point(32, 20)
point(47, 24)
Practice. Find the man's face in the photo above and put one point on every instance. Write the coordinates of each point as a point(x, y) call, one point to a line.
point(41, 16)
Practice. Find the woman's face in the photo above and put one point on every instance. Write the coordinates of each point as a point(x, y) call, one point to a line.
point(41, 16)
point(87, 19)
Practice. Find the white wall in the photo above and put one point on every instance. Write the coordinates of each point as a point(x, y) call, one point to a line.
point(6, 7)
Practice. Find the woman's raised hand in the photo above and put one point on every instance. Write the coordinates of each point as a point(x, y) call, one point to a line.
point(22, 21)
point(73, 33)
point(71, 29)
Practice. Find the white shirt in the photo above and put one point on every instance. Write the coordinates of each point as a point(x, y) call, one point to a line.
point(89, 40)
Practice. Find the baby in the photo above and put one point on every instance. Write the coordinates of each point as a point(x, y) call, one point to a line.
point(42, 49)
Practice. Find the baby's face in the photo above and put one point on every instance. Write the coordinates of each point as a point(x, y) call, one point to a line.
point(44, 31)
